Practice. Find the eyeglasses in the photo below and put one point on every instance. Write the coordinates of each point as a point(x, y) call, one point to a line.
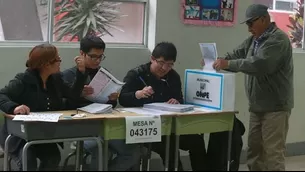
point(58, 59)
point(95, 57)
point(250, 23)
point(163, 63)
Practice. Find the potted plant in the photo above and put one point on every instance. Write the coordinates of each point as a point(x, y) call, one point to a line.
point(78, 18)
point(296, 25)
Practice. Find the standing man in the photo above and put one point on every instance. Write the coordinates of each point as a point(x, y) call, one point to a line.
point(157, 81)
point(266, 59)
point(92, 48)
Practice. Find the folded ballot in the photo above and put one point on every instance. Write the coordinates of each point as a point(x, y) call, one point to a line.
point(97, 108)
point(169, 107)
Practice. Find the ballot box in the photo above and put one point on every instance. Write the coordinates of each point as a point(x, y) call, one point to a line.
point(210, 89)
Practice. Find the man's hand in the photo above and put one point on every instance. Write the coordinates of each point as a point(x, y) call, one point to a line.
point(22, 109)
point(113, 96)
point(144, 93)
point(88, 90)
point(80, 63)
point(173, 101)
point(220, 64)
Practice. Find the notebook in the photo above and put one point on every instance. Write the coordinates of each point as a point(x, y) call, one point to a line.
point(97, 108)
point(169, 107)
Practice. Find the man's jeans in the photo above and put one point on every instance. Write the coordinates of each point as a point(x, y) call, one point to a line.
point(127, 155)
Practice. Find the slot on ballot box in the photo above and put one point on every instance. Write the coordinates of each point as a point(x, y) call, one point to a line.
point(210, 89)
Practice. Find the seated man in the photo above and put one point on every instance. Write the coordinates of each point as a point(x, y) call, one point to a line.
point(157, 81)
point(92, 48)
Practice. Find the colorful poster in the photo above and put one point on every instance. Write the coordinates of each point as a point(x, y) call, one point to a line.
point(209, 12)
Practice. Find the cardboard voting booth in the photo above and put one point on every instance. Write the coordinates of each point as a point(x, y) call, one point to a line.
point(210, 89)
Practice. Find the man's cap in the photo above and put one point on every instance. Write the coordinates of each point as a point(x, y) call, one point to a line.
point(255, 11)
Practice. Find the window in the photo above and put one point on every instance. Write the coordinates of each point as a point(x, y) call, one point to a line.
point(285, 5)
point(279, 5)
point(288, 16)
point(66, 21)
point(22, 20)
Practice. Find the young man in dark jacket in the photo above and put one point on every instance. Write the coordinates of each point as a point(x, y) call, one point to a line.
point(92, 48)
point(157, 81)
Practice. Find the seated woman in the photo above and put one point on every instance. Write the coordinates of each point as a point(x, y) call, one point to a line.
point(39, 88)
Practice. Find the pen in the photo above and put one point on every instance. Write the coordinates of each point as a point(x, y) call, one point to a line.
point(143, 81)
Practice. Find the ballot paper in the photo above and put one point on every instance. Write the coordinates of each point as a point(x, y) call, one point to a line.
point(42, 117)
point(209, 55)
point(103, 84)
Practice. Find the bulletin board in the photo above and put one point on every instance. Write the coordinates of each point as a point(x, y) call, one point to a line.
point(209, 12)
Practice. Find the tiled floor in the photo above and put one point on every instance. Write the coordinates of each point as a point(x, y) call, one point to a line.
point(295, 163)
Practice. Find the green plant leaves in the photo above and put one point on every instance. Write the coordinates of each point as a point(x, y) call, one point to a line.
point(79, 18)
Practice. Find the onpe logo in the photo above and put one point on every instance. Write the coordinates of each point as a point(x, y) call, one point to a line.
point(202, 93)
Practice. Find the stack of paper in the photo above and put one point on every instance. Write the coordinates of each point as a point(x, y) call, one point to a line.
point(146, 111)
point(43, 117)
point(169, 107)
point(97, 108)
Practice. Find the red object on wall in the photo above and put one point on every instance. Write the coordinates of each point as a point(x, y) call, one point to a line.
point(281, 19)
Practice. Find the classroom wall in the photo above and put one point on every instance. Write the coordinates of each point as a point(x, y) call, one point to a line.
point(186, 37)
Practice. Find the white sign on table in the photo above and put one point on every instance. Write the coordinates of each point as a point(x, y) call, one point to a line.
point(143, 129)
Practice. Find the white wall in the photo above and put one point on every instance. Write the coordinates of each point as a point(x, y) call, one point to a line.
point(186, 37)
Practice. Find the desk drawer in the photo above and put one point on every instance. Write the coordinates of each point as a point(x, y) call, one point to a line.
point(48, 130)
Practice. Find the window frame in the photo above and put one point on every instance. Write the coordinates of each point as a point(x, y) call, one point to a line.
point(50, 24)
point(281, 11)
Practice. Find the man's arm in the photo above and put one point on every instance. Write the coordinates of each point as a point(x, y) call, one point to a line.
point(266, 60)
point(176, 88)
point(127, 96)
point(69, 75)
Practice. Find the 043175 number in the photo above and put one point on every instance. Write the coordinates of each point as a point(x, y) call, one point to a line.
point(143, 132)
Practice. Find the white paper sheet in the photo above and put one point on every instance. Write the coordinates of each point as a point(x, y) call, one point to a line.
point(103, 84)
point(145, 111)
point(43, 117)
point(209, 55)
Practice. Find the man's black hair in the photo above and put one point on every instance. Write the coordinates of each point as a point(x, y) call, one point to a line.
point(166, 50)
point(91, 41)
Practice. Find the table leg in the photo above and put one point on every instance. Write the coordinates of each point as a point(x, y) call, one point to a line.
point(229, 150)
point(142, 157)
point(25, 156)
point(167, 143)
point(79, 156)
point(177, 151)
point(100, 153)
point(6, 145)
point(105, 160)
point(148, 156)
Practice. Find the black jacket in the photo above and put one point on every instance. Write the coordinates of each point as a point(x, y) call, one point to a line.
point(166, 88)
point(27, 89)
point(69, 76)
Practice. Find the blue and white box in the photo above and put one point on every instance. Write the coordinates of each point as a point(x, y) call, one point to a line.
point(210, 89)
